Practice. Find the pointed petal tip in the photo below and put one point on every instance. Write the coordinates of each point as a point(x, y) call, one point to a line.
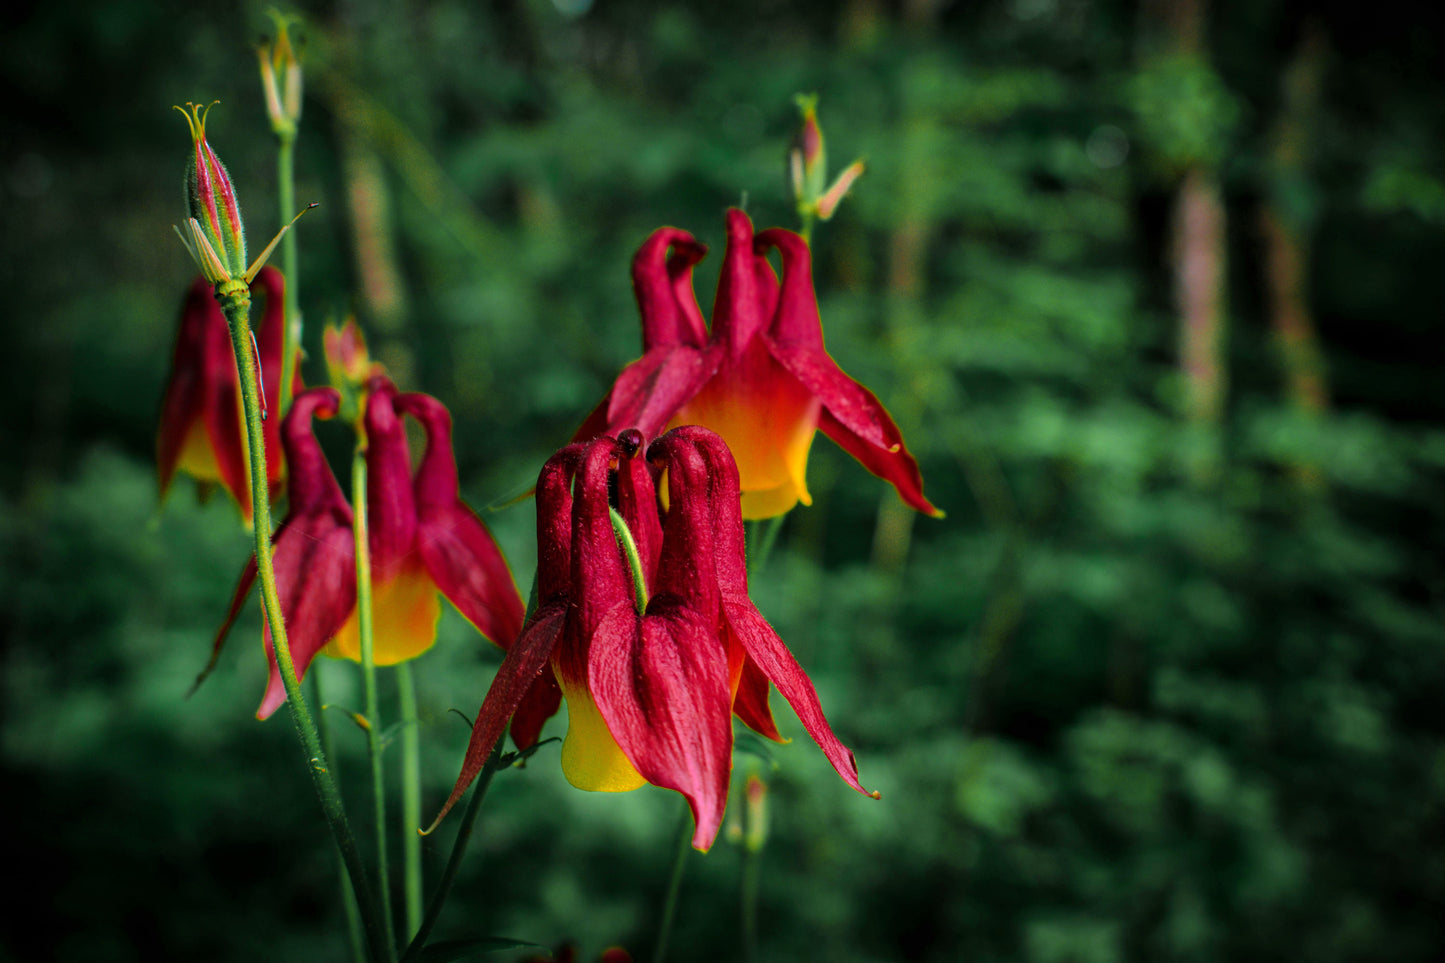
point(274, 698)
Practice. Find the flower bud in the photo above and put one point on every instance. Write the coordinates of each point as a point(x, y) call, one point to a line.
point(214, 233)
point(755, 798)
point(808, 168)
point(349, 365)
point(281, 80)
point(807, 157)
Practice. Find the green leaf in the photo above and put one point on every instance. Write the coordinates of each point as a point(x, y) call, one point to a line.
point(444, 951)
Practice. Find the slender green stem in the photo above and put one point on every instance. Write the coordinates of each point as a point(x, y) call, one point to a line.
point(752, 857)
point(762, 535)
point(410, 796)
point(459, 848)
point(368, 681)
point(464, 833)
point(674, 885)
point(235, 301)
point(291, 330)
point(348, 895)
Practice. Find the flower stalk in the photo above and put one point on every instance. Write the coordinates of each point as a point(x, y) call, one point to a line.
point(674, 887)
point(281, 81)
point(354, 935)
point(235, 300)
point(368, 681)
point(291, 331)
point(410, 796)
point(459, 849)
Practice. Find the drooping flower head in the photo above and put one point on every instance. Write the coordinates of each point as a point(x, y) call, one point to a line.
point(652, 672)
point(421, 537)
point(760, 377)
point(201, 430)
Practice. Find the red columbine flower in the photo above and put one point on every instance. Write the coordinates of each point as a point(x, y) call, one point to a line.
point(422, 539)
point(201, 431)
point(761, 379)
point(651, 677)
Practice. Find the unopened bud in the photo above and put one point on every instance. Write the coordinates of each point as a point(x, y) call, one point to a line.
point(347, 359)
point(755, 796)
point(281, 79)
point(349, 365)
point(808, 168)
point(214, 234)
point(807, 156)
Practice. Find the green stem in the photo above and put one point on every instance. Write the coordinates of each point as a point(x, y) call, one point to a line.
point(235, 300)
point(751, 860)
point(410, 796)
point(368, 680)
point(674, 886)
point(291, 329)
point(459, 848)
point(762, 535)
point(464, 833)
point(348, 895)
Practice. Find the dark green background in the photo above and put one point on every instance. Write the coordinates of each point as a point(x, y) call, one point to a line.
point(1118, 708)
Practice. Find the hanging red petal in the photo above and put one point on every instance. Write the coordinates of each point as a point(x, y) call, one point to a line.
point(747, 625)
point(662, 283)
point(854, 417)
point(458, 551)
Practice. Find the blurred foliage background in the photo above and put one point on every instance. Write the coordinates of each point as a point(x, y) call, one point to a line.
point(1149, 286)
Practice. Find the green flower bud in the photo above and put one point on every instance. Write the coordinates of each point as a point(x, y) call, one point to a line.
point(213, 234)
point(281, 80)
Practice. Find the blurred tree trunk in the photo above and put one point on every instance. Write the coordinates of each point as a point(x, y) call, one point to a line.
point(1199, 255)
point(1286, 221)
point(1198, 244)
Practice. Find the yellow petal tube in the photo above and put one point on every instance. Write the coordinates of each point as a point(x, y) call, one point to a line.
point(768, 419)
point(404, 620)
point(591, 758)
point(198, 458)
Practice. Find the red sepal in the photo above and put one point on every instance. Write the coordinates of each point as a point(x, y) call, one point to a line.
point(458, 551)
point(854, 418)
point(519, 677)
point(746, 625)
